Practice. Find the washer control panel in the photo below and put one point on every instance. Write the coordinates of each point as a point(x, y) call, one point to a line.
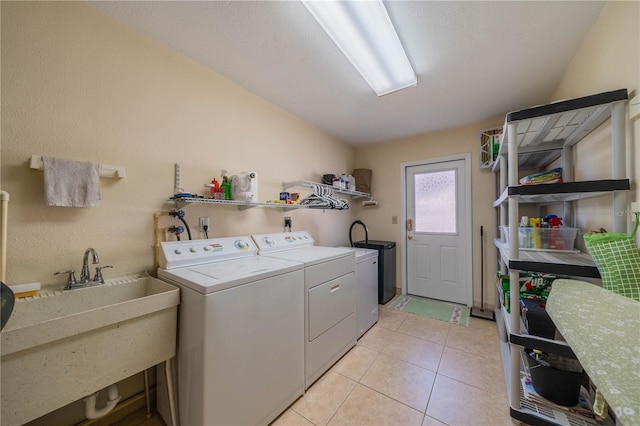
point(176, 254)
point(269, 243)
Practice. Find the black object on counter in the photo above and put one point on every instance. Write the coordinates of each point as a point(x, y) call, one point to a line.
point(8, 300)
point(328, 179)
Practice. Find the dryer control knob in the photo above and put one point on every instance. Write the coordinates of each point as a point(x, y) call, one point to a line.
point(193, 249)
point(207, 248)
point(268, 241)
point(242, 244)
point(177, 251)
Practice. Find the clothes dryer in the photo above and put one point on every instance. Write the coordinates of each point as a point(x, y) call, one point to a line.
point(329, 296)
point(240, 358)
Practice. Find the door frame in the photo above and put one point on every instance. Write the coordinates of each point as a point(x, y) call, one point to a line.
point(466, 157)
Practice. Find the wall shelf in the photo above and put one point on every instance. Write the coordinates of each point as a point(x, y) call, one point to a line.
point(182, 202)
point(241, 205)
point(310, 185)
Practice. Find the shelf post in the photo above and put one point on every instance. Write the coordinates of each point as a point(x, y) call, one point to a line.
point(503, 207)
point(567, 176)
point(514, 275)
point(618, 165)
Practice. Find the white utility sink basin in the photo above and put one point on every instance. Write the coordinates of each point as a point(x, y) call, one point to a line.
point(59, 347)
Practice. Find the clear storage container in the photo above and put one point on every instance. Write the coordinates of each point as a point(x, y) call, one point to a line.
point(543, 238)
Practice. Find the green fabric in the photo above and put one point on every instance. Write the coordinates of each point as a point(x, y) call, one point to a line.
point(618, 261)
point(603, 330)
point(454, 314)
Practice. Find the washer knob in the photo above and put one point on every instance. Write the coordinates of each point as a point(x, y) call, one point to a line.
point(193, 249)
point(268, 241)
point(207, 248)
point(177, 251)
point(242, 244)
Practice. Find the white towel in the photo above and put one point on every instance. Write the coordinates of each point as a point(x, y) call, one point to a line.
point(69, 183)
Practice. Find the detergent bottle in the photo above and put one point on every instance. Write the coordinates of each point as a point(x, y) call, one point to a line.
point(215, 188)
point(537, 240)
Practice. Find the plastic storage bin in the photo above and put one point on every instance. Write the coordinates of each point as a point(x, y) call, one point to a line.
point(554, 384)
point(543, 238)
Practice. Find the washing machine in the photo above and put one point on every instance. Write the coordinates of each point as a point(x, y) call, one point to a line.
point(240, 358)
point(329, 296)
point(366, 289)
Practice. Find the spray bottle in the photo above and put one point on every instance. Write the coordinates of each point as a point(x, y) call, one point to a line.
point(226, 185)
point(215, 187)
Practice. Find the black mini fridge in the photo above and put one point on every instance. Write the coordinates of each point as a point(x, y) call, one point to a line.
point(386, 267)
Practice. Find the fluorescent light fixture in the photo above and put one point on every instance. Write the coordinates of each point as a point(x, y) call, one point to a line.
point(365, 34)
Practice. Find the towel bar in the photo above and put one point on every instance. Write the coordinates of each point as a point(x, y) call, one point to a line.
point(106, 171)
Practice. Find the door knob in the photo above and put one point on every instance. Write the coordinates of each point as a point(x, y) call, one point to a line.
point(410, 237)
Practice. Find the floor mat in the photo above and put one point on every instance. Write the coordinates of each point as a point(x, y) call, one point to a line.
point(455, 314)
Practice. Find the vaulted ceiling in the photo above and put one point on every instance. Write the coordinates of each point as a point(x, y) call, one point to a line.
point(475, 60)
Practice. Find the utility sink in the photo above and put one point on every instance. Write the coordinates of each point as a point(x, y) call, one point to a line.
point(61, 346)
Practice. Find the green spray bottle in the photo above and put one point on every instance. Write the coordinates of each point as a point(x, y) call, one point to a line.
point(225, 186)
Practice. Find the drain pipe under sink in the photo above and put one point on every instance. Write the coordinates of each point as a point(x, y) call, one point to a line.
point(90, 410)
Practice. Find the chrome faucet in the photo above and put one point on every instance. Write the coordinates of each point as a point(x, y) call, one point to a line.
point(85, 275)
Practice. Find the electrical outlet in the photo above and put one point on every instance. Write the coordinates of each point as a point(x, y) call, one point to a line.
point(287, 222)
point(204, 222)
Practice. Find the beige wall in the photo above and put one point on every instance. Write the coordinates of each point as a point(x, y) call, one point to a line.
point(78, 85)
point(608, 59)
point(386, 159)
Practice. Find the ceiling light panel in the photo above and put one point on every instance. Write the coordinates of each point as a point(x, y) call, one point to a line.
point(364, 33)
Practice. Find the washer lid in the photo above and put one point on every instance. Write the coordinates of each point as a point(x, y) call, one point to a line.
point(311, 255)
point(213, 277)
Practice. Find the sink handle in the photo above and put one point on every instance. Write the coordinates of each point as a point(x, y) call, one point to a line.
point(98, 276)
point(71, 280)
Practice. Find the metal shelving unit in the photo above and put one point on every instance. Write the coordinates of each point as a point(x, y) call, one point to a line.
point(182, 202)
point(241, 205)
point(533, 138)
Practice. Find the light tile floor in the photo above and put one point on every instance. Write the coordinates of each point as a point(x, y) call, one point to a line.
point(411, 370)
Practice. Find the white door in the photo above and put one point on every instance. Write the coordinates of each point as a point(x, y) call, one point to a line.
point(438, 259)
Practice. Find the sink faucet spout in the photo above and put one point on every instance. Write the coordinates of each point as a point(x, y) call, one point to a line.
point(85, 276)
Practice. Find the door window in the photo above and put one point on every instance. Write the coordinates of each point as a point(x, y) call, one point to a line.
point(435, 202)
